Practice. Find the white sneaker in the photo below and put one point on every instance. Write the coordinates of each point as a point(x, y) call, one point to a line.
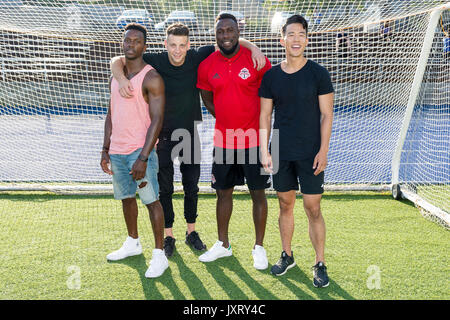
point(158, 264)
point(131, 247)
point(217, 251)
point(260, 261)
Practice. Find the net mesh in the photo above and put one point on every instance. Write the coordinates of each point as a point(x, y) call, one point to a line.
point(55, 55)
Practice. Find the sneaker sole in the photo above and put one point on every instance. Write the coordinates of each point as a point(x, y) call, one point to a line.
point(321, 286)
point(155, 276)
point(224, 256)
point(261, 268)
point(290, 266)
point(130, 255)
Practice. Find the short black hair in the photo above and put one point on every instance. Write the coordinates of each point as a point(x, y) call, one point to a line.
point(224, 16)
point(296, 18)
point(137, 26)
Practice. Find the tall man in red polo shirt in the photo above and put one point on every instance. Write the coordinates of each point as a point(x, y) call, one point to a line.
point(229, 85)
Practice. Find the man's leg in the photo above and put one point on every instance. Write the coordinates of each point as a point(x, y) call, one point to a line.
point(286, 219)
point(130, 212)
point(149, 196)
point(259, 214)
point(157, 220)
point(224, 208)
point(317, 232)
point(165, 180)
point(286, 224)
point(132, 245)
point(190, 174)
point(159, 262)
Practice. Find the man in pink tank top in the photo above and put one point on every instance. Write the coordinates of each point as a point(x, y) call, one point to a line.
point(131, 130)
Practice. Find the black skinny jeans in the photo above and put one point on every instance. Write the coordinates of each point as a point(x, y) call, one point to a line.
point(190, 174)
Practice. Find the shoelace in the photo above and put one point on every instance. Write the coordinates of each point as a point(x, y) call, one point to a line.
point(282, 261)
point(319, 272)
point(317, 268)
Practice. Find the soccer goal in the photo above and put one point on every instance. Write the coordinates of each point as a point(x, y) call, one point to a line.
point(389, 62)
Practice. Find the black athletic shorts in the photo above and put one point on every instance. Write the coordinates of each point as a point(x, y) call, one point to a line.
point(290, 173)
point(237, 167)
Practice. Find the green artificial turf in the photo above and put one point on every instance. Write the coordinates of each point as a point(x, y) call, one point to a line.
point(54, 247)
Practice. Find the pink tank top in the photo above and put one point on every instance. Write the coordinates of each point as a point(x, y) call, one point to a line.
point(130, 116)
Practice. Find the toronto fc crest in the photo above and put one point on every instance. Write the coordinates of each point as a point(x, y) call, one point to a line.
point(244, 74)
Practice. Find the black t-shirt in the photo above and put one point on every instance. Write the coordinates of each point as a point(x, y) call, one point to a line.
point(296, 103)
point(182, 106)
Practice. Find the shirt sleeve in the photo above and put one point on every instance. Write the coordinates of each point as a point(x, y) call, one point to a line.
point(202, 77)
point(264, 70)
point(264, 89)
point(203, 52)
point(325, 84)
point(153, 59)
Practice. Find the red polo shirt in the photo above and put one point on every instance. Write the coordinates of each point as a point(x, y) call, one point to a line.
point(234, 83)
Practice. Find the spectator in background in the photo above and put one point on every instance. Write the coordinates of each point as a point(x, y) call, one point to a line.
point(386, 31)
point(343, 45)
point(317, 16)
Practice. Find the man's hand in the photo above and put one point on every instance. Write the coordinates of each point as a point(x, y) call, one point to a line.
point(105, 162)
point(258, 58)
point(126, 88)
point(138, 169)
point(320, 162)
point(266, 162)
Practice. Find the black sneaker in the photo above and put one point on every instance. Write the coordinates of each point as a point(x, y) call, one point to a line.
point(193, 240)
point(284, 264)
point(320, 275)
point(169, 246)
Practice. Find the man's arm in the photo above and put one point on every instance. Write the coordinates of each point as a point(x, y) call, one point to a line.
point(326, 123)
point(125, 88)
point(265, 121)
point(259, 59)
point(105, 160)
point(208, 100)
point(153, 89)
point(117, 64)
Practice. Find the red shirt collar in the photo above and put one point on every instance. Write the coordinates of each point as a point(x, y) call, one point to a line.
point(233, 58)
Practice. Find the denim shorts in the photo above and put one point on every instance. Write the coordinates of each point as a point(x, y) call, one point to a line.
point(123, 183)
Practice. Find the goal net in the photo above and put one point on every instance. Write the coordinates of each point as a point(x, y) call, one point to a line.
point(389, 62)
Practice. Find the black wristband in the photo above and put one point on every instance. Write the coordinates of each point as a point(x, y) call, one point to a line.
point(142, 158)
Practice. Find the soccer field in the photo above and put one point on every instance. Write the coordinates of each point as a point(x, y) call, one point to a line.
point(377, 248)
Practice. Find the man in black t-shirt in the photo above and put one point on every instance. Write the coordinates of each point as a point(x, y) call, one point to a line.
point(178, 68)
point(301, 92)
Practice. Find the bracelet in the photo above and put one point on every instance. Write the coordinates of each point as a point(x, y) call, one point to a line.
point(142, 158)
point(105, 148)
